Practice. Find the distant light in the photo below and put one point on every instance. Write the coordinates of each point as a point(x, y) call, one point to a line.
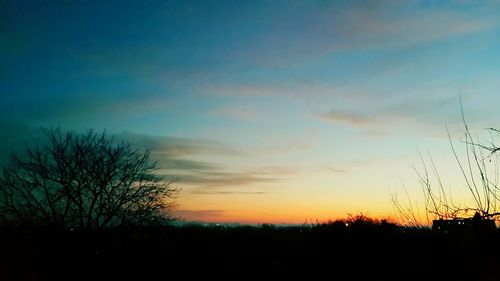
point(346, 224)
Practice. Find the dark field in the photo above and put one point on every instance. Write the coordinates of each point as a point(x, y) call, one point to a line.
point(371, 252)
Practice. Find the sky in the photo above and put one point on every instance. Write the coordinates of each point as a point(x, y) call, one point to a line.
point(263, 111)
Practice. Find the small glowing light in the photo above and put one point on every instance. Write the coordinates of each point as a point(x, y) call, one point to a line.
point(346, 224)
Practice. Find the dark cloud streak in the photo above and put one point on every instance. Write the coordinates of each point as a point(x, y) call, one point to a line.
point(177, 147)
point(174, 158)
point(412, 110)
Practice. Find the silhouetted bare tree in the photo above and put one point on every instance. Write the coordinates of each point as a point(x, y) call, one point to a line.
point(83, 181)
point(479, 169)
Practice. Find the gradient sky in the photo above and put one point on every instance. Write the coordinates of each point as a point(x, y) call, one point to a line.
point(265, 111)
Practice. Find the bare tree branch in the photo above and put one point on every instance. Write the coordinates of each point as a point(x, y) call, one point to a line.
point(83, 181)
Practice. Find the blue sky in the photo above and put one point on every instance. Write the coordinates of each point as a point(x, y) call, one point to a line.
point(265, 110)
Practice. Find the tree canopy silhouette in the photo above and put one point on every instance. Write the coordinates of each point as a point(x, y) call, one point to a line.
point(83, 181)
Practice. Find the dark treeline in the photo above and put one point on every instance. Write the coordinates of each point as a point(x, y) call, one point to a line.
point(366, 249)
point(86, 206)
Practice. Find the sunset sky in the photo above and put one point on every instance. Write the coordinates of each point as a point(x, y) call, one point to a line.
point(264, 111)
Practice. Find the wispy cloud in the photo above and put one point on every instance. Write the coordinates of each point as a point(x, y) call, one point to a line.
point(319, 29)
point(350, 118)
point(174, 157)
point(223, 182)
point(185, 164)
point(177, 147)
point(375, 28)
point(336, 170)
point(175, 154)
point(411, 111)
point(222, 192)
point(276, 170)
point(203, 177)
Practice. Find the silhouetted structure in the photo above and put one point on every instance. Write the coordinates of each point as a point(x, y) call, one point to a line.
point(476, 223)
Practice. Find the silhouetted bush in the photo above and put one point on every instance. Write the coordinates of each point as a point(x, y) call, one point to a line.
point(247, 250)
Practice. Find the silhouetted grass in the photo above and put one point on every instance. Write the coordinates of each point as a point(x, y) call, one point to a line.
point(368, 249)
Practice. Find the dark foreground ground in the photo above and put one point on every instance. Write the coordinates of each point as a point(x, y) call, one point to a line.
point(334, 251)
